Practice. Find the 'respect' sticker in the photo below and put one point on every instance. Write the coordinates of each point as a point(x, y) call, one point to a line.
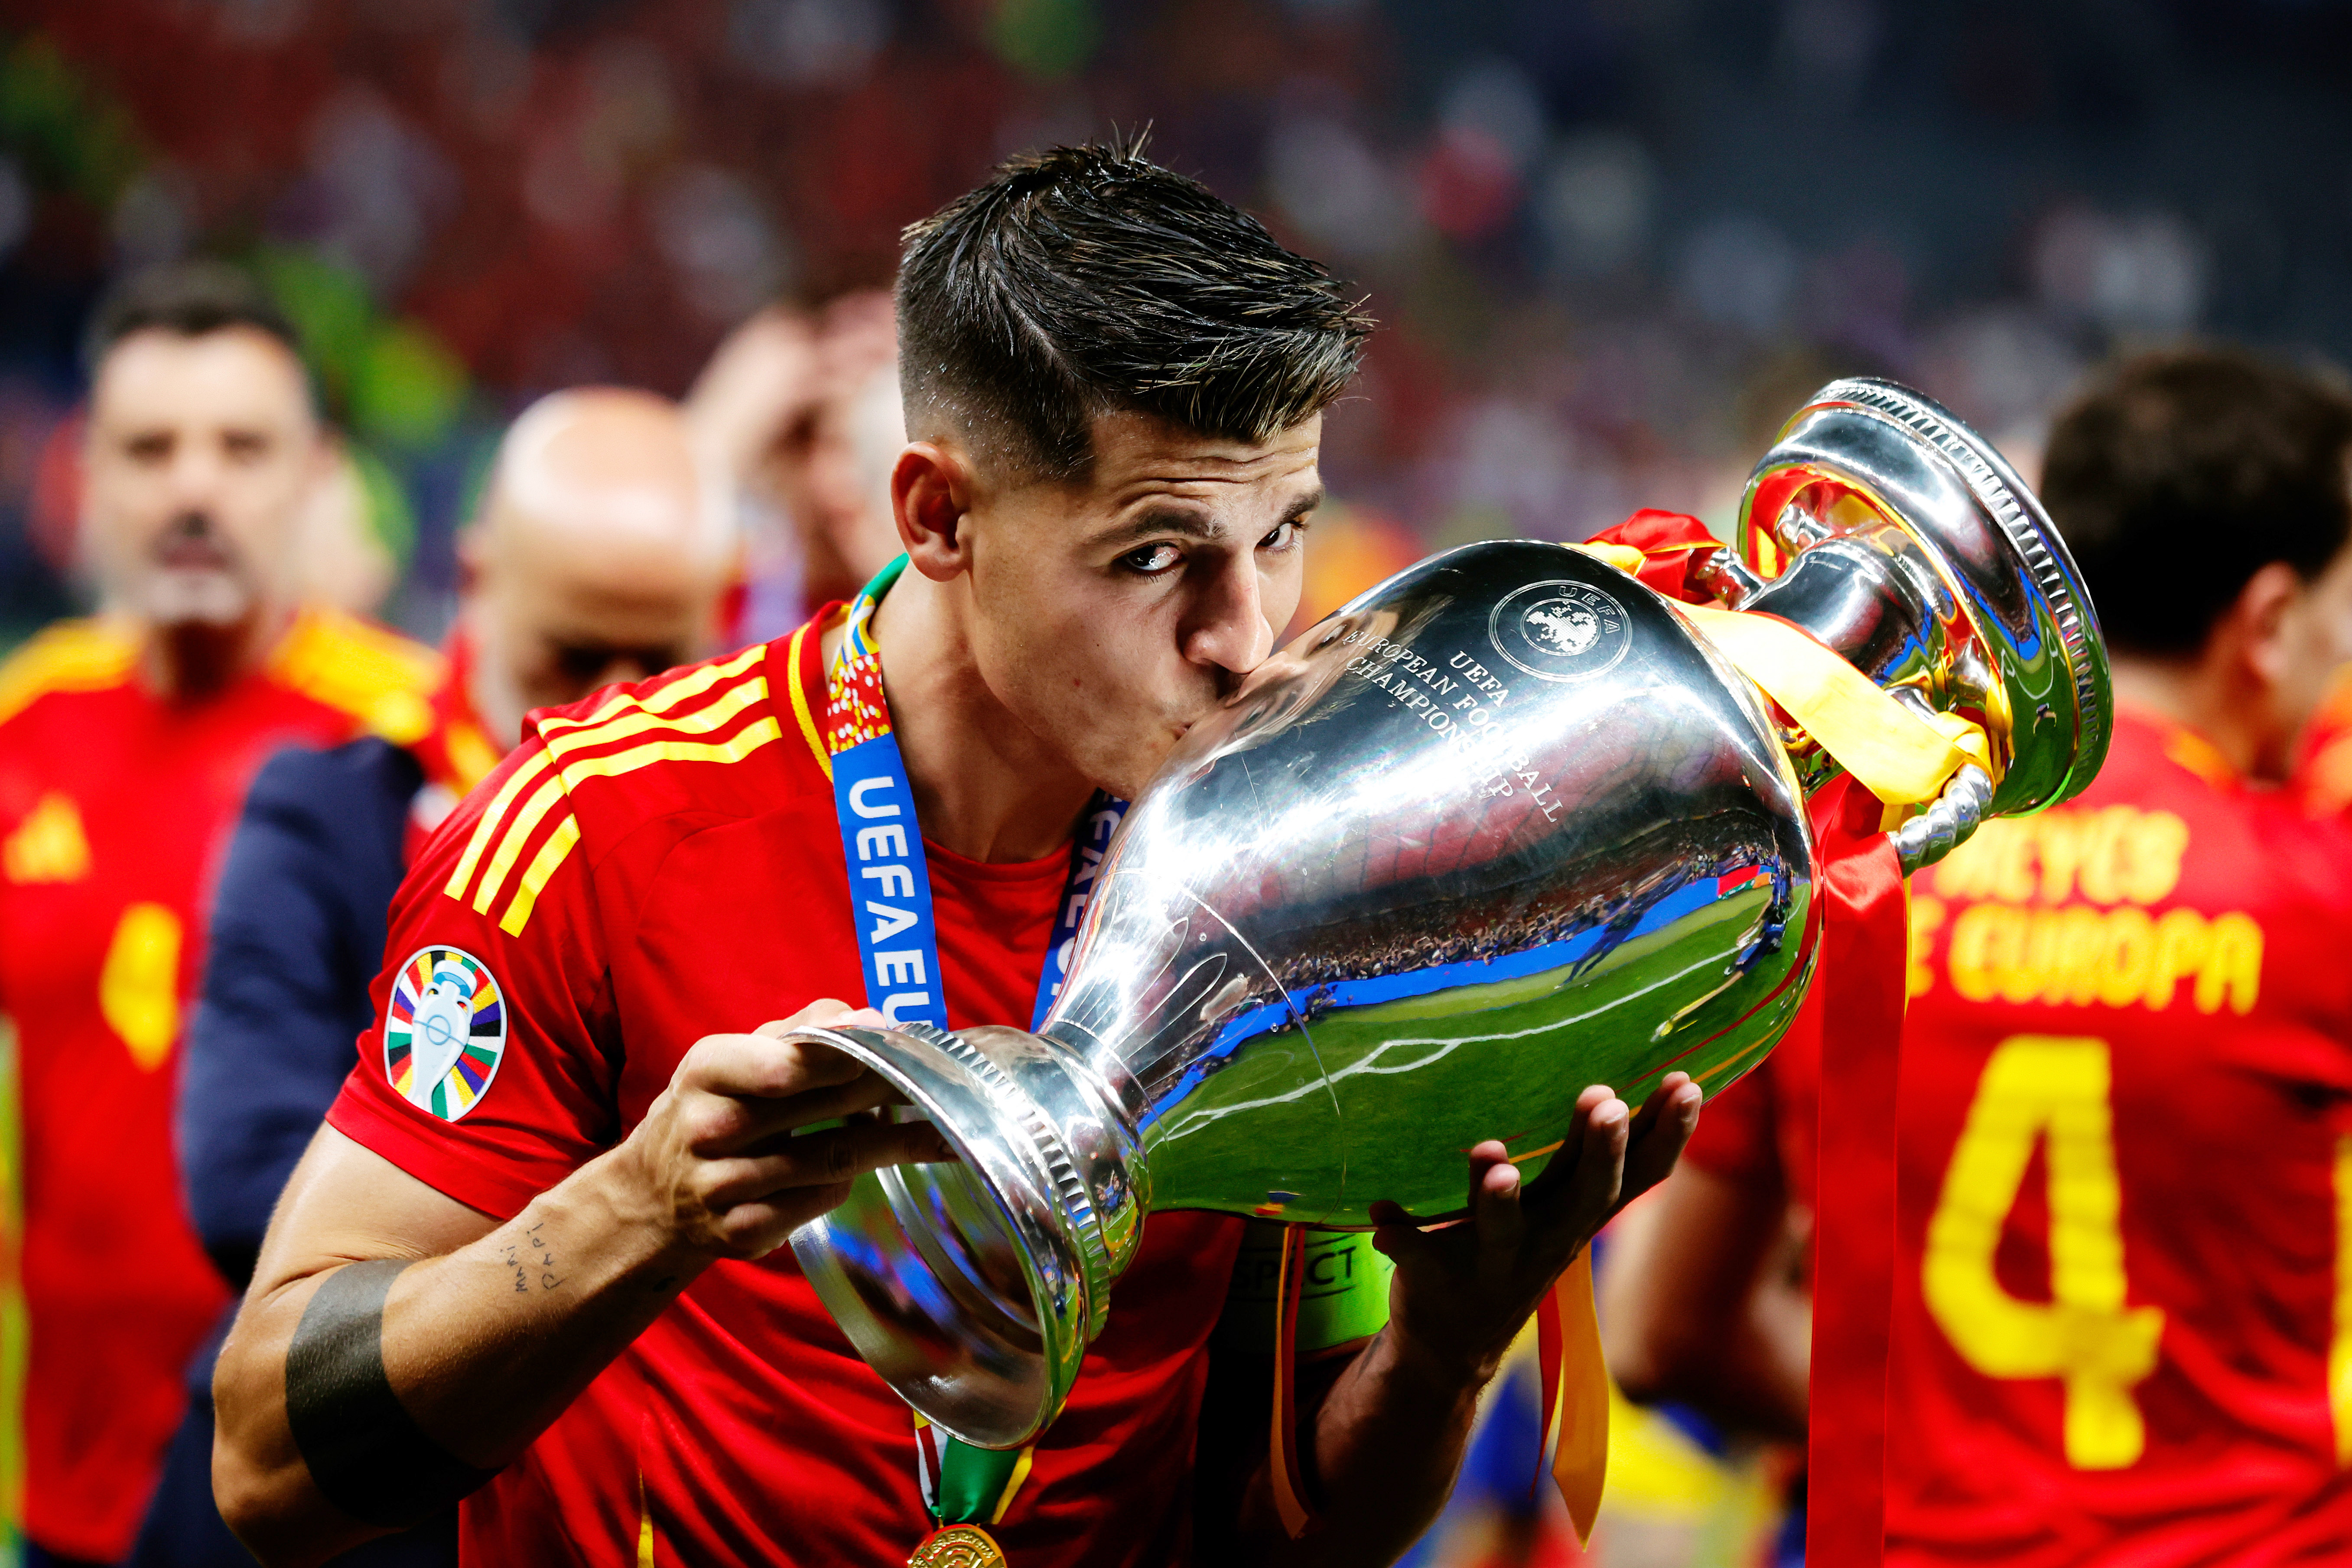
point(444, 1031)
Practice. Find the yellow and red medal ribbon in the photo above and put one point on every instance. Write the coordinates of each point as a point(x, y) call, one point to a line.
point(1575, 1377)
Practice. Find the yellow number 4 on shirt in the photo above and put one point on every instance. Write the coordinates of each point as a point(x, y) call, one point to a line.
point(2053, 1088)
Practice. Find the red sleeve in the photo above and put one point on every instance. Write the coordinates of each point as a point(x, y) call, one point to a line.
point(491, 1068)
point(1738, 1130)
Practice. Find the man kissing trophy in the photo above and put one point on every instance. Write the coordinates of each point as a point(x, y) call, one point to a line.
point(1509, 824)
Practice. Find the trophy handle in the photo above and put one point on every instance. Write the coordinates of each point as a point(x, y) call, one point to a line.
point(1947, 823)
point(1885, 527)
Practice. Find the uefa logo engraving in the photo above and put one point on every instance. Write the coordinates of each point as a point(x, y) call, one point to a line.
point(1561, 630)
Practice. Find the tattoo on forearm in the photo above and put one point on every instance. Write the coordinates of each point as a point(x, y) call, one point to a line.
point(533, 1262)
point(367, 1455)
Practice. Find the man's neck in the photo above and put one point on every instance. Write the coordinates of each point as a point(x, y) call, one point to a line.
point(192, 661)
point(984, 786)
point(2200, 695)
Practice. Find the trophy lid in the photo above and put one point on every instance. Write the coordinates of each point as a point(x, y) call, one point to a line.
point(1864, 453)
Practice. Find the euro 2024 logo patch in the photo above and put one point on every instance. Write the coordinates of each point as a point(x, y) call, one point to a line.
point(444, 1031)
point(1561, 630)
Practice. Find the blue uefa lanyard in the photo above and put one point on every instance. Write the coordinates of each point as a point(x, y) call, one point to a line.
point(899, 952)
point(889, 880)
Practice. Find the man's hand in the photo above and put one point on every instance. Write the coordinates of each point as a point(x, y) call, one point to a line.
point(1463, 1291)
point(762, 382)
point(721, 1155)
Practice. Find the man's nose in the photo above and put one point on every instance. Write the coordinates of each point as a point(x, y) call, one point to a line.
point(195, 474)
point(1229, 628)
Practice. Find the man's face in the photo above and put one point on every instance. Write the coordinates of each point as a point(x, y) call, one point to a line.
point(201, 451)
point(553, 625)
point(1116, 611)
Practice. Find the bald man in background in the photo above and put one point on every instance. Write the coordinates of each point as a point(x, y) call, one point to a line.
point(599, 555)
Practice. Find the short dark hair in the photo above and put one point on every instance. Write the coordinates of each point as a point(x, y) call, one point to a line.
point(1086, 280)
point(2182, 473)
point(193, 300)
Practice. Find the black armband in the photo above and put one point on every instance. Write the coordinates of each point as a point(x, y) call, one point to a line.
point(367, 1455)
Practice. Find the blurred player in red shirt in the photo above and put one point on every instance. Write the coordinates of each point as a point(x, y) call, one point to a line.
point(2123, 1314)
point(2125, 1331)
point(126, 744)
point(597, 557)
point(563, 1172)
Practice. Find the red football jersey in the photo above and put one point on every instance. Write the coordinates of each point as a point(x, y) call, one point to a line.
point(646, 869)
point(114, 809)
point(2123, 1318)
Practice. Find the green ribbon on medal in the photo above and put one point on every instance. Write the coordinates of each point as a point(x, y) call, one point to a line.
point(970, 1489)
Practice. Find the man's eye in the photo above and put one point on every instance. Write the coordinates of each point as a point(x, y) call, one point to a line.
point(1284, 536)
point(1151, 560)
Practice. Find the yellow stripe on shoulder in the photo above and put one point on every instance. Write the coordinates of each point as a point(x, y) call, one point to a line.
point(667, 700)
point(542, 865)
point(493, 817)
point(542, 801)
point(711, 716)
point(377, 676)
point(745, 741)
point(506, 828)
point(72, 656)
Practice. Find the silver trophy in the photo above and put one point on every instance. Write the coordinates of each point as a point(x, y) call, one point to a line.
point(1504, 826)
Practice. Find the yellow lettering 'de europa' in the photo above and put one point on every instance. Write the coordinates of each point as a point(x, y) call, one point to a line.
point(2052, 1090)
point(2064, 919)
point(2108, 854)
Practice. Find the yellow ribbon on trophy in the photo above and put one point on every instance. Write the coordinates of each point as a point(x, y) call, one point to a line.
point(1903, 757)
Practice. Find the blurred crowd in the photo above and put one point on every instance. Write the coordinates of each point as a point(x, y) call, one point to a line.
point(1609, 244)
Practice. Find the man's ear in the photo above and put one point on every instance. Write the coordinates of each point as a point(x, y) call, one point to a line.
point(2260, 622)
point(931, 498)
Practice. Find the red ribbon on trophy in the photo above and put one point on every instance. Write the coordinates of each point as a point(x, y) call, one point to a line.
point(1856, 1009)
point(1854, 1012)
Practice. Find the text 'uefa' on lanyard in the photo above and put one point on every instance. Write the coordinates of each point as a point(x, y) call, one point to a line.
point(899, 949)
point(889, 880)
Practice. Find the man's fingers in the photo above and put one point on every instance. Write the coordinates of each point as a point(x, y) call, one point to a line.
point(1562, 1172)
point(763, 1067)
point(1395, 1236)
point(1658, 1133)
point(825, 1013)
point(1576, 1199)
point(1495, 1204)
point(1662, 1105)
point(821, 1159)
point(725, 1124)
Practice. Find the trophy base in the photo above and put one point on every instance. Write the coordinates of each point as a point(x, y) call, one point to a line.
point(973, 1288)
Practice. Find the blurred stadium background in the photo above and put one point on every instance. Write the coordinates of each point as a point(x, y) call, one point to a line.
point(1611, 242)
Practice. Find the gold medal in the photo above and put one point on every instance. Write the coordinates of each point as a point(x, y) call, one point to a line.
point(957, 1546)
